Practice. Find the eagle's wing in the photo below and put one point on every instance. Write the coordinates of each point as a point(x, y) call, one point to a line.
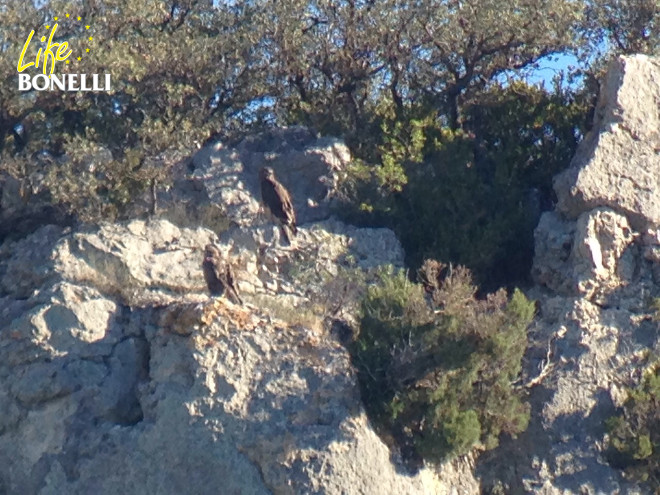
point(278, 200)
point(230, 284)
point(287, 205)
point(288, 213)
point(213, 281)
point(271, 197)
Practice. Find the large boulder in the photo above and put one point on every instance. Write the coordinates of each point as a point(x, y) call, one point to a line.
point(618, 163)
point(308, 166)
point(594, 254)
point(121, 375)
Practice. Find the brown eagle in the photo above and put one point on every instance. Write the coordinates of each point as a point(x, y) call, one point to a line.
point(278, 200)
point(219, 274)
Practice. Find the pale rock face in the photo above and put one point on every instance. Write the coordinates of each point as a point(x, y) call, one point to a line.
point(554, 238)
point(586, 256)
point(121, 375)
point(618, 163)
point(601, 238)
point(597, 268)
point(309, 167)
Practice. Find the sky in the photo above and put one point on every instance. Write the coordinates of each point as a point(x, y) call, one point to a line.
point(551, 66)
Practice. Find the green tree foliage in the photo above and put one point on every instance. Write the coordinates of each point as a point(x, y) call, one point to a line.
point(449, 155)
point(349, 55)
point(471, 195)
point(439, 378)
point(626, 26)
point(458, 48)
point(181, 72)
point(634, 435)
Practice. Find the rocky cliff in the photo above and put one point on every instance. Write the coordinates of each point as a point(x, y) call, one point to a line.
point(121, 375)
point(596, 270)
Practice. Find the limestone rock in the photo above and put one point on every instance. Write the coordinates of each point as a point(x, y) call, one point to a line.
point(218, 186)
point(553, 240)
point(585, 257)
point(121, 375)
point(308, 166)
point(599, 253)
point(618, 163)
point(596, 266)
point(26, 264)
point(592, 353)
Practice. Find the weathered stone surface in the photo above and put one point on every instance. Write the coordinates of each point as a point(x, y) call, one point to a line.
point(553, 240)
point(600, 260)
point(596, 273)
point(308, 167)
point(592, 353)
point(618, 163)
point(218, 186)
point(586, 257)
point(120, 375)
point(26, 264)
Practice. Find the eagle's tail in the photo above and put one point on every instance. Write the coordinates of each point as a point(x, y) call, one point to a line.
point(233, 293)
point(287, 235)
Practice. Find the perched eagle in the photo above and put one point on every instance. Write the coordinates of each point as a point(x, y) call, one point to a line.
point(278, 200)
point(219, 274)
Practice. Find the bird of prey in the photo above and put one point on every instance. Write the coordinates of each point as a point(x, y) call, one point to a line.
point(219, 274)
point(278, 200)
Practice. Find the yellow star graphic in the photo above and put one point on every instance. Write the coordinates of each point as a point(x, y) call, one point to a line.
point(47, 27)
point(87, 50)
point(67, 60)
point(91, 38)
point(86, 27)
point(79, 18)
point(67, 16)
point(79, 58)
point(56, 18)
